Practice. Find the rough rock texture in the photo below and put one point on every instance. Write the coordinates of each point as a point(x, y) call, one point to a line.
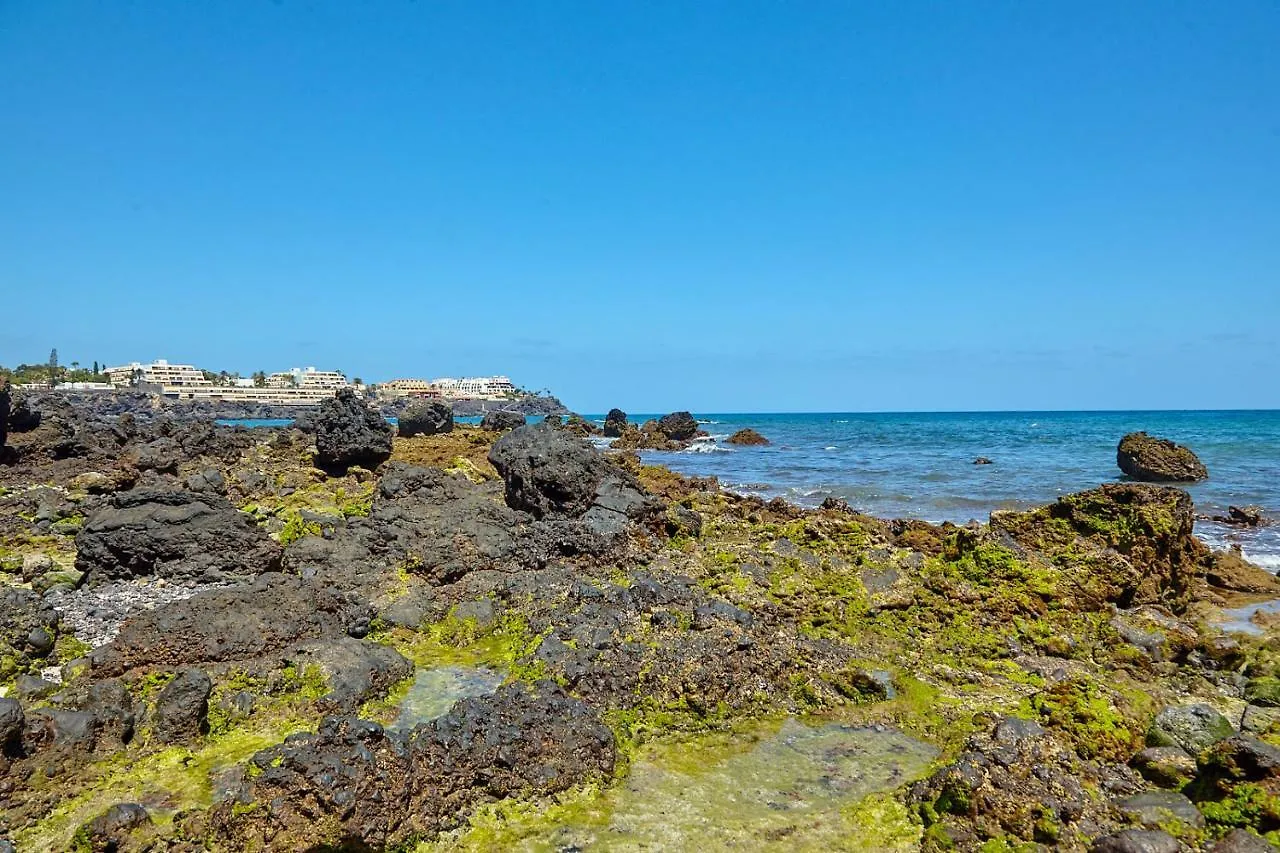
point(748, 438)
point(1124, 543)
point(6, 402)
point(429, 417)
point(614, 423)
point(174, 534)
point(1137, 841)
point(11, 723)
point(500, 421)
point(182, 708)
point(548, 473)
point(232, 623)
point(1017, 781)
point(1158, 460)
point(1194, 728)
point(110, 831)
point(678, 426)
point(349, 433)
point(24, 616)
point(356, 786)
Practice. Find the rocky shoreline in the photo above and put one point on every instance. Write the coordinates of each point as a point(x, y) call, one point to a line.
point(209, 637)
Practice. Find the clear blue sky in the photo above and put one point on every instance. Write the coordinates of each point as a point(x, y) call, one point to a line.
point(714, 205)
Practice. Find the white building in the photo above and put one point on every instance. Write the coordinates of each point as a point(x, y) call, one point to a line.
point(307, 377)
point(158, 372)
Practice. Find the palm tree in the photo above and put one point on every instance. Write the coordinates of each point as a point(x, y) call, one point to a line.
point(259, 379)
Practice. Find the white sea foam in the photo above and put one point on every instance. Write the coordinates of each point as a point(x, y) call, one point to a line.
point(831, 447)
point(1270, 562)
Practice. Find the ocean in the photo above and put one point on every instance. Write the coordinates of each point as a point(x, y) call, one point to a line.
point(920, 465)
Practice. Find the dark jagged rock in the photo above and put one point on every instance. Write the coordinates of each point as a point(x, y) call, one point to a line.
point(23, 417)
point(349, 433)
point(6, 403)
point(355, 785)
point(182, 708)
point(548, 473)
point(233, 623)
point(429, 417)
point(502, 420)
point(174, 534)
point(577, 425)
point(1158, 460)
point(1242, 841)
point(748, 438)
point(12, 721)
point(1243, 516)
point(1194, 728)
point(23, 613)
point(614, 423)
point(1127, 543)
point(110, 831)
point(678, 426)
point(982, 460)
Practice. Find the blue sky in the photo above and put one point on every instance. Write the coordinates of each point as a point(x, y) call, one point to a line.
point(758, 206)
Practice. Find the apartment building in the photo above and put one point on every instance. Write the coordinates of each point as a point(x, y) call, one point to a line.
point(158, 372)
point(307, 377)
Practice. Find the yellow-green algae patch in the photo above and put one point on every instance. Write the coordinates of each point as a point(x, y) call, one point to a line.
point(776, 786)
point(167, 781)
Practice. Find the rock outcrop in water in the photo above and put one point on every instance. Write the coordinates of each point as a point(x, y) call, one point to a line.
point(197, 619)
point(1145, 457)
point(614, 423)
point(430, 417)
point(747, 438)
point(349, 433)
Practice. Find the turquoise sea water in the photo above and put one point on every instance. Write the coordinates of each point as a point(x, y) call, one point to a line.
point(921, 465)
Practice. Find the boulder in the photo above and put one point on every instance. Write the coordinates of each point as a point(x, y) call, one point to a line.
point(1124, 543)
point(349, 433)
point(1154, 809)
point(174, 534)
point(1166, 766)
point(678, 426)
point(1158, 460)
point(501, 421)
point(1243, 516)
point(1193, 728)
point(429, 417)
point(748, 438)
point(1242, 841)
point(614, 423)
point(22, 416)
point(548, 473)
point(982, 460)
point(182, 708)
point(11, 723)
point(110, 831)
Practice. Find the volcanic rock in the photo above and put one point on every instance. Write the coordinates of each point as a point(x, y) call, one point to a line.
point(426, 418)
point(548, 473)
point(614, 423)
point(748, 438)
point(678, 426)
point(500, 421)
point(350, 433)
point(174, 534)
point(1158, 460)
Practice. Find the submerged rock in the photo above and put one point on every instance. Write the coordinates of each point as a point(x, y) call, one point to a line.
point(426, 418)
point(1158, 460)
point(350, 433)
